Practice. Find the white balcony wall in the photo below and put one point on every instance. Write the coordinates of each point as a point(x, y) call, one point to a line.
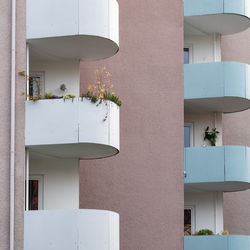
point(57, 73)
point(204, 48)
point(71, 230)
point(72, 29)
point(208, 210)
point(60, 182)
point(200, 121)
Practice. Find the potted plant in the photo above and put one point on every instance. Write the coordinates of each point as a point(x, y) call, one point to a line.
point(211, 135)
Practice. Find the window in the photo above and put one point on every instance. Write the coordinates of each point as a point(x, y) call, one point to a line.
point(36, 84)
point(36, 192)
point(188, 54)
point(189, 220)
point(188, 134)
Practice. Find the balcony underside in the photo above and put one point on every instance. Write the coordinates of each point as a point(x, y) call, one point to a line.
point(71, 129)
point(78, 47)
point(71, 230)
point(217, 87)
point(74, 150)
point(217, 242)
point(224, 104)
point(216, 16)
point(220, 168)
point(223, 24)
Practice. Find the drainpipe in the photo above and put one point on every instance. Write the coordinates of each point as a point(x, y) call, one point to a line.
point(12, 126)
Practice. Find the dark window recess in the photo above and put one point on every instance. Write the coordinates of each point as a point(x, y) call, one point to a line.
point(187, 222)
point(33, 194)
point(186, 55)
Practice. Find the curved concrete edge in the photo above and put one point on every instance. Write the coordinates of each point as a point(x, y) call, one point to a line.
point(221, 242)
point(71, 229)
point(215, 7)
point(72, 128)
point(217, 86)
point(221, 17)
point(75, 26)
point(220, 168)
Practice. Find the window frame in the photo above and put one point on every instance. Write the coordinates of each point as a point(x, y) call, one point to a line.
point(193, 218)
point(189, 46)
point(40, 74)
point(40, 179)
point(191, 125)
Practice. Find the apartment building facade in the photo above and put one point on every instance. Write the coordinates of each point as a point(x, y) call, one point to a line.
point(212, 87)
point(78, 175)
point(43, 45)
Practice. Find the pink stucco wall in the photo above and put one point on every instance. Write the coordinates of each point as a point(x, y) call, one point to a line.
point(5, 49)
point(144, 183)
point(236, 132)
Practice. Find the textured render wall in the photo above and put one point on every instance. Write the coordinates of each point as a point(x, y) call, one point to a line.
point(236, 132)
point(5, 43)
point(144, 183)
point(4, 121)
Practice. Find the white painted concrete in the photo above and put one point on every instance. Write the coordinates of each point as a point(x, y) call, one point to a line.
point(200, 121)
point(73, 29)
point(57, 73)
point(205, 48)
point(61, 182)
point(72, 128)
point(208, 210)
point(71, 230)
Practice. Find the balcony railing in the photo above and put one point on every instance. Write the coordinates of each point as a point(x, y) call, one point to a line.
point(219, 86)
point(71, 230)
point(219, 168)
point(217, 242)
point(74, 128)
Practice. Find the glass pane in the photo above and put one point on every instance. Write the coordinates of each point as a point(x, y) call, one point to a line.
point(187, 222)
point(186, 136)
point(186, 55)
point(34, 86)
point(33, 194)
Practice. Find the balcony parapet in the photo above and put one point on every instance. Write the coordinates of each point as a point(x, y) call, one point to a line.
point(217, 87)
point(219, 168)
point(73, 128)
point(72, 29)
point(217, 242)
point(71, 229)
point(216, 16)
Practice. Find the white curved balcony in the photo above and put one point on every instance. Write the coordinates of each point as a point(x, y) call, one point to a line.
point(72, 29)
point(71, 230)
point(72, 128)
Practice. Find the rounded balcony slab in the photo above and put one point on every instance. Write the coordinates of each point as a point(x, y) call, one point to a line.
point(220, 168)
point(216, 16)
point(71, 229)
point(72, 29)
point(74, 128)
point(217, 87)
